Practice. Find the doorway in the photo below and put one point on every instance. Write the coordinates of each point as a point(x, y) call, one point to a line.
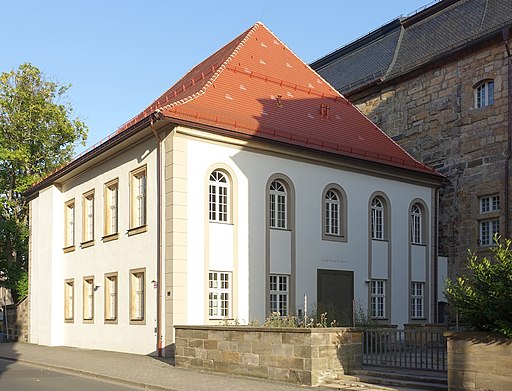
point(335, 296)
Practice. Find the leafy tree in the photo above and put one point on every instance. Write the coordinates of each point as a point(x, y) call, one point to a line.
point(484, 298)
point(37, 135)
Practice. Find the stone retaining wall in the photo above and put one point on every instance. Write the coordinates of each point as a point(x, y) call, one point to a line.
point(479, 361)
point(296, 355)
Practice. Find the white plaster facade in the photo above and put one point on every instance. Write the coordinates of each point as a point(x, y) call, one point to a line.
point(244, 246)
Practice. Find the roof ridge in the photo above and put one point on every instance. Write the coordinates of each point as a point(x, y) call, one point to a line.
point(216, 74)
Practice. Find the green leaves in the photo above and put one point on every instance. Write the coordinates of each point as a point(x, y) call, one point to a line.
point(484, 297)
point(37, 135)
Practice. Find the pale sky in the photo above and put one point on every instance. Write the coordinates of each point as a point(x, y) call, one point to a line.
point(121, 55)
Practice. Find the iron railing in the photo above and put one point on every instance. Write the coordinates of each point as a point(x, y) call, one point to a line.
point(414, 349)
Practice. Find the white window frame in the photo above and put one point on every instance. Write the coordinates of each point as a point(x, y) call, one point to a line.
point(69, 236)
point(219, 294)
point(279, 294)
point(111, 208)
point(278, 205)
point(378, 299)
point(333, 208)
point(489, 204)
point(218, 197)
point(111, 289)
point(377, 218)
point(416, 225)
point(487, 230)
point(69, 300)
point(138, 198)
point(88, 217)
point(417, 300)
point(137, 296)
point(484, 94)
point(88, 299)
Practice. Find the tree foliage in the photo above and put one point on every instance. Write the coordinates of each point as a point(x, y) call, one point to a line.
point(37, 135)
point(483, 298)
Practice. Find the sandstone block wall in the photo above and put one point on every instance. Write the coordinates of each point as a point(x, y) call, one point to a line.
point(301, 356)
point(479, 361)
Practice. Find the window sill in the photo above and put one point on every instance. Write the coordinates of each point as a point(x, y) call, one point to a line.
point(418, 245)
point(279, 229)
point(139, 322)
point(69, 249)
point(110, 237)
point(334, 238)
point(110, 321)
point(71, 320)
point(220, 222)
point(88, 321)
point(86, 244)
point(379, 240)
point(137, 230)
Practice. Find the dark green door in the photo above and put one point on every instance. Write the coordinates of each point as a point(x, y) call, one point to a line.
point(335, 295)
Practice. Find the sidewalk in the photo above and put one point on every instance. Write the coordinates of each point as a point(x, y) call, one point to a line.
point(142, 371)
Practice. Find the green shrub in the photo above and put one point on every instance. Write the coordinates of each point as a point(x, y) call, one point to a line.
point(483, 298)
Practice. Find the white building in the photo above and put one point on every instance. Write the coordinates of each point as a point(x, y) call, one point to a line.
point(250, 184)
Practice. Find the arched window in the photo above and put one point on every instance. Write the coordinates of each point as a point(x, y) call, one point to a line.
point(332, 213)
point(484, 93)
point(377, 216)
point(416, 225)
point(278, 204)
point(218, 197)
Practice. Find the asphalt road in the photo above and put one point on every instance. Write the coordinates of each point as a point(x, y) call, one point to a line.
point(16, 376)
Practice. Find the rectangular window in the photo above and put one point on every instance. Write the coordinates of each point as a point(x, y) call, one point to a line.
point(488, 228)
point(69, 300)
point(279, 295)
point(69, 222)
point(111, 207)
point(137, 295)
point(88, 217)
point(88, 298)
point(489, 204)
point(111, 297)
point(138, 198)
point(277, 211)
point(219, 295)
point(484, 94)
point(378, 298)
point(417, 300)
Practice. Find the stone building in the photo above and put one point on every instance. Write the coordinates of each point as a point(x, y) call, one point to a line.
point(438, 83)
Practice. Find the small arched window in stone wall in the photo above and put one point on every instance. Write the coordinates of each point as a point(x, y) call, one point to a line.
point(484, 93)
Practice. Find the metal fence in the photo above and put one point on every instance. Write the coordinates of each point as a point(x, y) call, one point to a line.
point(414, 349)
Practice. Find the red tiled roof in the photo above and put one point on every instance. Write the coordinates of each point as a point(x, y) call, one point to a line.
point(256, 86)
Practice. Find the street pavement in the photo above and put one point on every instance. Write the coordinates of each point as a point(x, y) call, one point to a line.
point(143, 372)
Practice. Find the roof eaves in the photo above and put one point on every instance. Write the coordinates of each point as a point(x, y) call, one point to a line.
point(115, 139)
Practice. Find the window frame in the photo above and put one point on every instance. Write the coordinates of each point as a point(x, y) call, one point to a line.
point(488, 219)
point(221, 211)
point(69, 225)
point(278, 204)
point(417, 300)
point(416, 224)
point(137, 296)
point(378, 299)
point(138, 201)
point(484, 93)
point(279, 296)
point(215, 312)
point(378, 213)
point(69, 300)
point(88, 219)
point(88, 299)
point(341, 236)
point(111, 298)
point(111, 212)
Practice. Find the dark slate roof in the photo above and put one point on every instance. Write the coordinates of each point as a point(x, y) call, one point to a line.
point(437, 31)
